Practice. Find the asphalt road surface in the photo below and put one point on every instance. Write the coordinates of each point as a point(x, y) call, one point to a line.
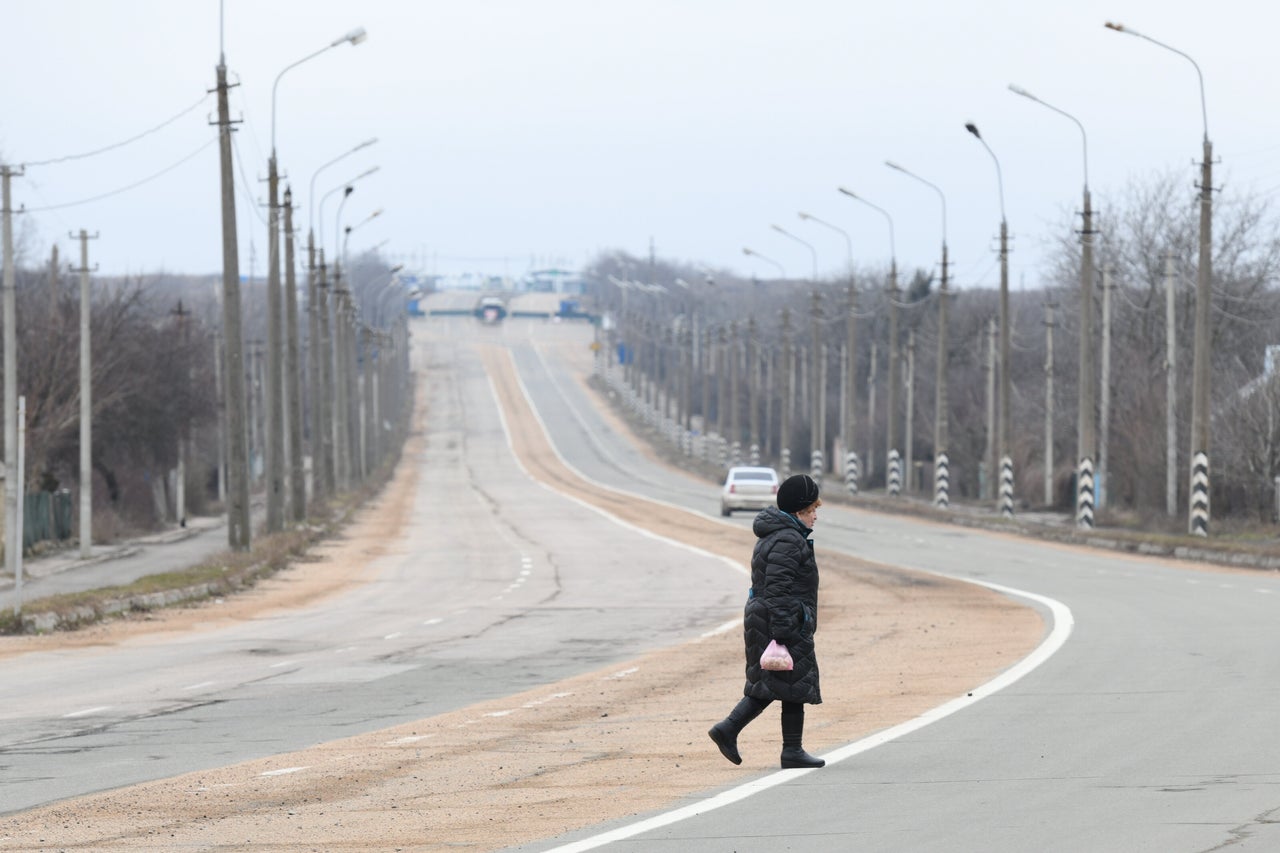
point(1153, 728)
point(1149, 729)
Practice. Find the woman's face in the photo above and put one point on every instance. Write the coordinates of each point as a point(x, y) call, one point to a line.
point(808, 517)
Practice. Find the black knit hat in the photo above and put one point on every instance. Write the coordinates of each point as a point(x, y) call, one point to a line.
point(797, 492)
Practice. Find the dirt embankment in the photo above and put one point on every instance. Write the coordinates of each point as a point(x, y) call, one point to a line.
point(603, 745)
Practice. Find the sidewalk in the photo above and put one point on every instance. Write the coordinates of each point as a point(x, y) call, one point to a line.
point(119, 563)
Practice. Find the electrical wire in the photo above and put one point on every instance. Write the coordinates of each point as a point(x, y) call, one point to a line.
point(134, 185)
point(248, 188)
point(116, 145)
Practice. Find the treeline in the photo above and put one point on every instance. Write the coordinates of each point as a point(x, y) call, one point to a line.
point(155, 340)
point(1148, 222)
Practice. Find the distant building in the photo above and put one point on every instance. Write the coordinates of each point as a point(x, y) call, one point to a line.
point(552, 281)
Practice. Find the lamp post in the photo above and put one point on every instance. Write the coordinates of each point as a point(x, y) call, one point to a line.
point(278, 379)
point(752, 253)
point(353, 352)
point(817, 415)
point(1198, 515)
point(1086, 433)
point(1003, 423)
point(848, 410)
point(941, 437)
point(789, 371)
point(893, 481)
point(315, 305)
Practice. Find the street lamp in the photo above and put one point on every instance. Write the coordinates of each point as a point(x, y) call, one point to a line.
point(941, 438)
point(812, 251)
point(1086, 435)
point(1003, 424)
point(848, 410)
point(817, 413)
point(322, 473)
point(282, 379)
point(752, 253)
point(1198, 522)
point(893, 482)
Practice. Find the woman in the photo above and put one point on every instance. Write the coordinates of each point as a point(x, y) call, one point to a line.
point(782, 605)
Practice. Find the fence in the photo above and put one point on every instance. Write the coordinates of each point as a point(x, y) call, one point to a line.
point(45, 516)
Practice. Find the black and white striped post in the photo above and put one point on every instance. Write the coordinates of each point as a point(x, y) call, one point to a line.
point(816, 465)
point(755, 454)
point(1006, 487)
point(786, 462)
point(851, 472)
point(1084, 494)
point(894, 483)
point(942, 481)
point(1200, 494)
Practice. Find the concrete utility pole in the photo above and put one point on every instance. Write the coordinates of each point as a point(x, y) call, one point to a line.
point(12, 529)
point(1171, 391)
point(988, 457)
point(238, 531)
point(86, 401)
point(313, 369)
point(848, 382)
point(1105, 414)
point(1086, 447)
point(788, 383)
point(274, 388)
point(892, 476)
point(753, 386)
point(817, 458)
point(53, 285)
point(180, 475)
point(292, 371)
point(1048, 403)
point(1004, 428)
point(851, 392)
point(1198, 520)
point(908, 456)
point(941, 462)
point(735, 405)
point(872, 374)
point(222, 415)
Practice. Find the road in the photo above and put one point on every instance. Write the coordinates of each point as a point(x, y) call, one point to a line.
point(1148, 730)
point(498, 586)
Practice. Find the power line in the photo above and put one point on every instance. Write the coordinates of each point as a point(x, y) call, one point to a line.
point(134, 185)
point(116, 145)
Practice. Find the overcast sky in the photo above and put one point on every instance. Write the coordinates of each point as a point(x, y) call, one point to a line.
point(516, 134)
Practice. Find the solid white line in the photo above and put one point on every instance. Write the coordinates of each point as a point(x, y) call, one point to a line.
point(1063, 622)
point(85, 712)
point(198, 686)
point(736, 566)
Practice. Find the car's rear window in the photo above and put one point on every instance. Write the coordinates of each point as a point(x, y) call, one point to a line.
point(753, 475)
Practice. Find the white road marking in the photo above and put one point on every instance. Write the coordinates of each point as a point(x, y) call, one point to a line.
point(433, 622)
point(86, 712)
point(723, 629)
point(407, 739)
point(282, 771)
point(283, 663)
point(393, 635)
point(1063, 622)
point(621, 674)
point(198, 686)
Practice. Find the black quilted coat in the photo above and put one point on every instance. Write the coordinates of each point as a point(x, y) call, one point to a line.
point(783, 606)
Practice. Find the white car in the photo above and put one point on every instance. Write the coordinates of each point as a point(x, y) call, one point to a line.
point(748, 488)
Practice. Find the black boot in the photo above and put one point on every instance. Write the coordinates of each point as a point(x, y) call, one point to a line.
point(793, 754)
point(725, 732)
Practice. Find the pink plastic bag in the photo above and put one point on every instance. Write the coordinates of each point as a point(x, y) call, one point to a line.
point(776, 657)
